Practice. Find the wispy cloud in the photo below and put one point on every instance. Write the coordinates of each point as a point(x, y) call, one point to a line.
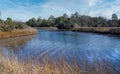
point(106, 9)
point(92, 3)
point(25, 9)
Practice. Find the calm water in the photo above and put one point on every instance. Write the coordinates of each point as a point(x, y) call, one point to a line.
point(85, 47)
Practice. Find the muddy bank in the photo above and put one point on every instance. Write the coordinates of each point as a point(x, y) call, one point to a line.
point(103, 30)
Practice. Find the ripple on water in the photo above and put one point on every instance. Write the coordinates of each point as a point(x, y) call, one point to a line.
point(84, 47)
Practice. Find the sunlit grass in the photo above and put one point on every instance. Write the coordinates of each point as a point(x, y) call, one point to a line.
point(16, 32)
point(11, 65)
point(110, 30)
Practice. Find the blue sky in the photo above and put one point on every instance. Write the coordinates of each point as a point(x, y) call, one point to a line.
point(23, 10)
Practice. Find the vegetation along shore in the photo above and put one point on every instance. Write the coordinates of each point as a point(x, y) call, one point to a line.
point(77, 22)
point(16, 33)
point(103, 30)
point(10, 28)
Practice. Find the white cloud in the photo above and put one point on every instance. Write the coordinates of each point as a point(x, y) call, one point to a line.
point(106, 9)
point(24, 11)
point(94, 2)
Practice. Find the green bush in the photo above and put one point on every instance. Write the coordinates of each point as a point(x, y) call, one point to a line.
point(10, 25)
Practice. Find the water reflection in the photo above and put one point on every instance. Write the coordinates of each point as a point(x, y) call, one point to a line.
point(89, 49)
point(11, 45)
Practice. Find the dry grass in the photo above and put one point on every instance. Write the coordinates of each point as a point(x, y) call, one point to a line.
point(15, 33)
point(108, 30)
point(29, 66)
point(13, 66)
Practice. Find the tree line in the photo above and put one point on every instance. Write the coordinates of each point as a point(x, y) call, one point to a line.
point(62, 22)
point(75, 20)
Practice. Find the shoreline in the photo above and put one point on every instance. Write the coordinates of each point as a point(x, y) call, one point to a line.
point(46, 28)
point(18, 33)
point(100, 30)
point(32, 31)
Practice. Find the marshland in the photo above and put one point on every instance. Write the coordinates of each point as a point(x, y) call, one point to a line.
point(61, 52)
point(50, 37)
point(35, 47)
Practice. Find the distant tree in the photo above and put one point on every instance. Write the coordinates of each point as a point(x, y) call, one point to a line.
point(76, 18)
point(32, 22)
point(45, 23)
point(103, 22)
point(1, 22)
point(64, 23)
point(114, 22)
point(77, 14)
point(114, 17)
point(65, 15)
point(119, 23)
point(84, 21)
point(51, 20)
point(39, 21)
point(9, 21)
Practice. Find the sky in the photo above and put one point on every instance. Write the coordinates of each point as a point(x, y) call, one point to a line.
point(22, 10)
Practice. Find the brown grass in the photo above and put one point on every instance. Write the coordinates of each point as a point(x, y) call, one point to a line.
point(15, 33)
point(106, 30)
point(13, 66)
point(28, 66)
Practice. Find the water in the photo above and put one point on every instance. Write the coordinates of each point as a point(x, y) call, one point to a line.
point(85, 47)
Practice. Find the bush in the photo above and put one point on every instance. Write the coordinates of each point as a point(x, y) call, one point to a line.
point(20, 25)
point(10, 25)
point(6, 28)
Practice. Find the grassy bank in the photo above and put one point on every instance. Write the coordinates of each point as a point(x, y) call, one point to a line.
point(103, 30)
point(17, 32)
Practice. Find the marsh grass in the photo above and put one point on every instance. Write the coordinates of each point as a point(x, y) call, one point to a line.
point(103, 30)
point(17, 32)
point(11, 65)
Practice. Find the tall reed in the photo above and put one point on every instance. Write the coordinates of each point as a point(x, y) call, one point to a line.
point(12, 65)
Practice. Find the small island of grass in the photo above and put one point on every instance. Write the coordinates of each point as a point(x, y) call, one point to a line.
point(10, 28)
